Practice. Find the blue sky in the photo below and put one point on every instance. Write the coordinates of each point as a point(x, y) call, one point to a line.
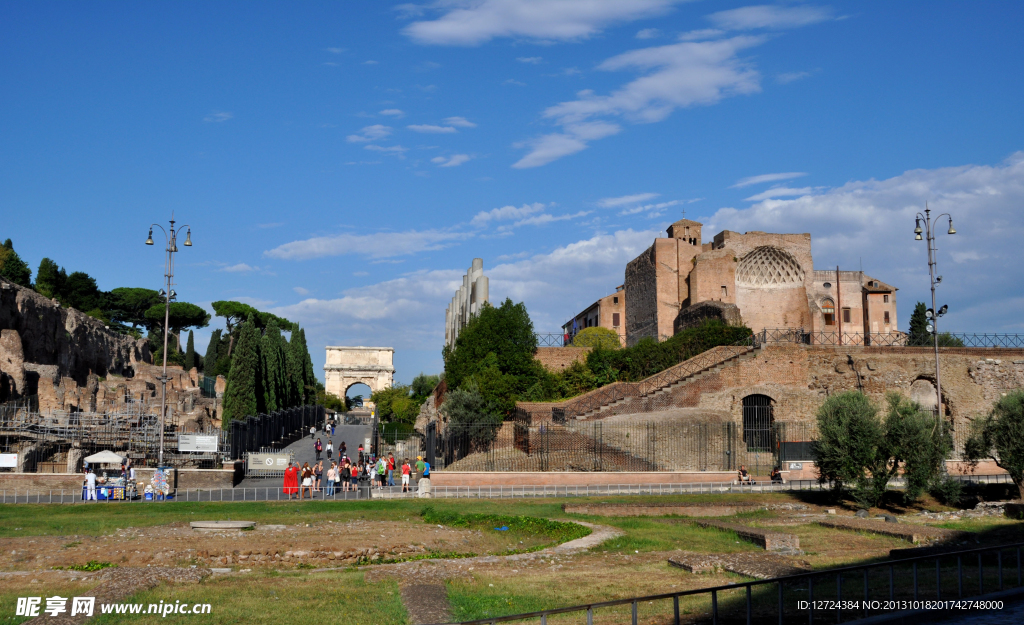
point(342, 163)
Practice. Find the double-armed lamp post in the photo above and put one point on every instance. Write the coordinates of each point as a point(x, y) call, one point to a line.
point(933, 314)
point(168, 294)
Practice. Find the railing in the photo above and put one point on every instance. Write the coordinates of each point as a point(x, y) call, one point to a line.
point(254, 432)
point(563, 339)
point(828, 596)
point(208, 386)
point(617, 391)
point(888, 339)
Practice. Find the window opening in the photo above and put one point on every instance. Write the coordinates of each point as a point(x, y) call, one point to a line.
point(828, 307)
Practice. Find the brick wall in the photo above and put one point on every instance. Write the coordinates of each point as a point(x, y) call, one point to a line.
point(556, 359)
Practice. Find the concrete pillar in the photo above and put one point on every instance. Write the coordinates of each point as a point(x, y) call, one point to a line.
point(74, 460)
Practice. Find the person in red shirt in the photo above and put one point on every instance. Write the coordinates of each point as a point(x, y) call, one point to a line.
point(406, 471)
point(391, 469)
point(291, 480)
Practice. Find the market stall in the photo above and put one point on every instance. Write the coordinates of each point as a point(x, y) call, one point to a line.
point(111, 481)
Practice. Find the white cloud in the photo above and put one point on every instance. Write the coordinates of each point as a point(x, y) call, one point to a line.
point(701, 34)
point(300, 290)
point(394, 150)
point(648, 33)
point(544, 218)
point(218, 116)
point(675, 76)
point(370, 62)
point(454, 161)
point(636, 198)
point(652, 210)
point(507, 213)
point(240, 268)
point(472, 22)
point(779, 192)
point(788, 77)
point(872, 221)
point(393, 112)
point(460, 122)
point(746, 182)
point(432, 129)
point(770, 16)
point(375, 132)
point(534, 60)
point(376, 245)
point(513, 81)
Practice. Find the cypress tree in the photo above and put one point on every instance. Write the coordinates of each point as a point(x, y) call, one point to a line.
point(190, 352)
point(293, 372)
point(274, 388)
point(918, 334)
point(309, 379)
point(210, 359)
point(243, 396)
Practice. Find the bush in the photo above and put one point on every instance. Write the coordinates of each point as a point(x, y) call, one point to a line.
point(469, 414)
point(948, 490)
point(601, 338)
point(1000, 436)
point(849, 435)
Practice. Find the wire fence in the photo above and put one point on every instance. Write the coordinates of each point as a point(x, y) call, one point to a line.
point(602, 446)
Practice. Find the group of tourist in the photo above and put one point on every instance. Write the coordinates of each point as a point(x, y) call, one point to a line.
point(343, 476)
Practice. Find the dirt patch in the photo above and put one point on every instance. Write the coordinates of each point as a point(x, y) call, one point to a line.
point(691, 510)
point(751, 564)
point(121, 582)
point(426, 603)
point(323, 544)
point(912, 532)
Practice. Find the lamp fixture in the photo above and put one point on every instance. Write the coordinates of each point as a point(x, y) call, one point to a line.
point(917, 228)
point(188, 238)
point(149, 239)
point(951, 230)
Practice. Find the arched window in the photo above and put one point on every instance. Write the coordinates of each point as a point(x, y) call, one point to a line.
point(828, 308)
point(758, 416)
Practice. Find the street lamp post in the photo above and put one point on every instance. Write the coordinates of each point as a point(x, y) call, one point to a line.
point(168, 294)
point(933, 314)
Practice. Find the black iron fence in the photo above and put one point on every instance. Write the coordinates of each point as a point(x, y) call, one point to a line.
point(269, 430)
point(208, 386)
point(932, 584)
point(888, 339)
point(603, 446)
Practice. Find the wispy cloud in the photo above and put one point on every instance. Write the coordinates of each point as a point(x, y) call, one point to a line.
point(533, 60)
point(300, 290)
point(770, 16)
point(779, 192)
point(335, 50)
point(652, 210)
point(376, 245)
point(513, 81)
point(218, 116)
point(506, 213)
point(788, 77)
point(432, 129)
point(375, 132)
point(746, 182)
point(648, 33)
point(469, 24)
point(370, 62)
point(460, 122)
point(393, 112)
point(240, 268)
point(636, 198)
point(394, 150)
point(276, 224)
point(454, 161)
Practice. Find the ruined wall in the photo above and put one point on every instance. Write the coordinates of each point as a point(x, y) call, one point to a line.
point(68, 340)
point(641, 297)
point(556, 359)
point(692, 316)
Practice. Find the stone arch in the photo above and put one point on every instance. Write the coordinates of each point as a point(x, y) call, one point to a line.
point(758, 419)
point(769, 266)
point(345, 366)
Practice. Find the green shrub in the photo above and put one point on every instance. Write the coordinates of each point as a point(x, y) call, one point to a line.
point(602, 338)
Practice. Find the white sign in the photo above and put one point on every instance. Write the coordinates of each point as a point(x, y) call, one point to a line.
point(268, 462)
point(8, 461)
point(796, 466)
point(197, 442)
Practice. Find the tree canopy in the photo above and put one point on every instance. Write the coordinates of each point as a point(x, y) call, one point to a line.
point(1000, 436)
point(130, 305)
point(597, 337)
point(244, 393)
point(12, 267)
point(182, 315)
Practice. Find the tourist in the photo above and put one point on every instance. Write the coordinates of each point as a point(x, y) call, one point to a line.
point(90, 486)
point(307, 481)
point(318, 447)
point(391, 469)
point(332, 428)
point(371, 470)
point(291, 480)
point(382, 469)
point(406, 470)
point(343, 450)
point(776, 475)
point(332, 477)
point(354, 477)
point(312, 432)
point(420, 467)
point(344, 474)
point(318, 474)
point(743, 475)
point(330, 448)
point(359, 457)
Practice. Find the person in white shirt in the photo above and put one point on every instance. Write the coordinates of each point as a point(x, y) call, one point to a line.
point(90, 484)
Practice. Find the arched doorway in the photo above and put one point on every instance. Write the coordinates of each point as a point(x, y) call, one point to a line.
point(358, 394)
point(758, 417)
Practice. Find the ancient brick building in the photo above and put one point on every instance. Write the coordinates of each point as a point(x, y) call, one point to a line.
point(760, 279)
point(607, 312)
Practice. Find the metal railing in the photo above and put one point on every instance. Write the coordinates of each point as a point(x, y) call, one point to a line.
point(265, 430)
point(618, 391)
point(888, 339)
point(846, 593)
point(563, 339)
point(208, 386)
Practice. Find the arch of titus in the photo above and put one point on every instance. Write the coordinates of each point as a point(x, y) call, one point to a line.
point(345, 366)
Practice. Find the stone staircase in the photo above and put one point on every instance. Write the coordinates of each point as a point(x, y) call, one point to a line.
point(653, 392)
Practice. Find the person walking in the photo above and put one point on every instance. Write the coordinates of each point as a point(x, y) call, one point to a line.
point(343, 450)
point(318, 475)
point(90, 486)
point(332, 428)
point(330, 449)
point(332, 477)
point(318, 447)
point(406, 470)
point(420, 467)
point(382, 469)
point(360, 458)
point(391, 469)
point(371, 469)
point(354, 477)
point(344, 474)
point(307, 481)
point(312, 432)
point(291, 480)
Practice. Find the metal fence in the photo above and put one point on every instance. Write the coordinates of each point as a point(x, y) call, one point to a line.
point(603, 446)
point(933, 583)
point(208, 386)
point(888, 339)
point(563, 339)
point(272, 430)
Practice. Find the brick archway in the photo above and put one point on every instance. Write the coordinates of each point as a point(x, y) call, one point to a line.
point(346, 366)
